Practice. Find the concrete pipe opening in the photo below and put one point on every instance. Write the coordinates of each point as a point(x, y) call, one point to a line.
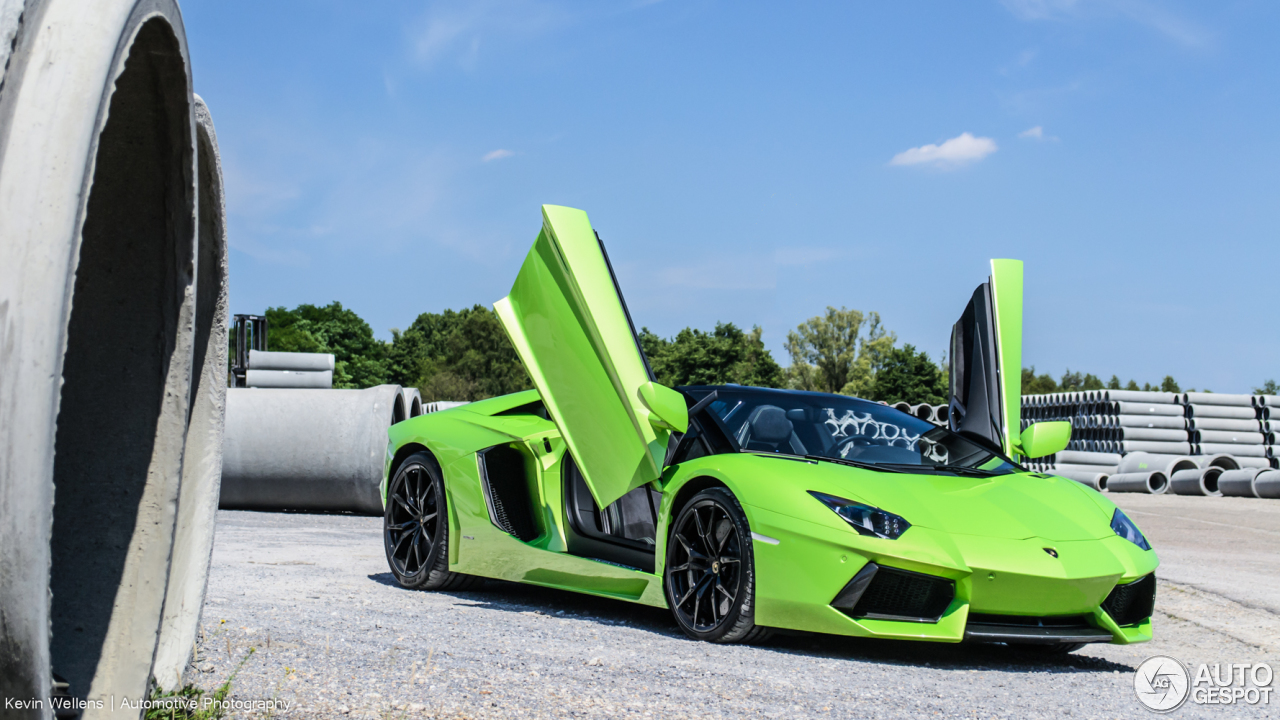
point(202, 456)
point(923, 411)
point(126, 376)
point(1153, 483)
point(1195, 481)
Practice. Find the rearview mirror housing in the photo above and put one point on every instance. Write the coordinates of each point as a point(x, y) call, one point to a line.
point(667, 407)
point(1045, 438)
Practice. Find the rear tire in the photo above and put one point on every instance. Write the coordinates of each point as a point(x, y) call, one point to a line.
point(415, 528)
point(709, 577)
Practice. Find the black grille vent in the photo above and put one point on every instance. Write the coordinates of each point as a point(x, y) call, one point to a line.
point(895, 594)
point(507, 492)
point(1053, 621)
point(1132, 603)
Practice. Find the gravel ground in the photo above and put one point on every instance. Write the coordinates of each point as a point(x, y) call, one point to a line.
point(335, 637)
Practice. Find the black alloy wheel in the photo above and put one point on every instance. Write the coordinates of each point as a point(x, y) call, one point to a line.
point(415, 528)
point(710, 570)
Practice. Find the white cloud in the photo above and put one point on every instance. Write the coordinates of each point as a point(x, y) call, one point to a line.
point(1142, 12)
point(957, 151)
point(1036, 133)
point(497, 155)
point(457, 30)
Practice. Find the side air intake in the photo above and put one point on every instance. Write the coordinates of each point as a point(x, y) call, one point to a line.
point(884, 593)
point(1132, 603)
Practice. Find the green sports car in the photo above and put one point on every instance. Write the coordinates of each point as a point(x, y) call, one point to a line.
point(747, 509)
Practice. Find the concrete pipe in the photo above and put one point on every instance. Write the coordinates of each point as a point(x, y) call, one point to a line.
point(1196, 482)
point(314, 362)
point(1170, 422)
point(306, 450)
point(1239, 451)
point(1155, 446)
point(318, 380)
point(1239, 483)
point(439, 405)
point(1087, 458)
point(1268, 401)
point(1061, 467)
point(923, 411)
point(1160, 434)
point(1229, 436)
point(1200, 398)
point(1224, 411)
point(1096, 480)
point(1220, 460)
point(1267, 484)
point(202, 455)
point(1138, 462)
point(902, 407)
point(97, 305)
point(1210, 423)
point(1133, 408)
point(412, 400)
point(1141, 396)
point(939, 415)
point(1152, 483)
point(1253, 462)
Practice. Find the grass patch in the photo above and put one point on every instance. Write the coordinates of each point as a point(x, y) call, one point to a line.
point(191, 702)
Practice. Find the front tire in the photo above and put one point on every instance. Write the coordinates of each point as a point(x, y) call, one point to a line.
point(415, 528)
point(709, 576)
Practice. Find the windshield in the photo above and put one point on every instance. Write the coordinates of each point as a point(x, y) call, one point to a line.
point(842, 428)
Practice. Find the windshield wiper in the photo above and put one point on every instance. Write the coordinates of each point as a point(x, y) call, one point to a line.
point(853, 463)
point(962, 469)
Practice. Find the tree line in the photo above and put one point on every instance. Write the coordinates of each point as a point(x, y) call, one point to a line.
point(466, 355)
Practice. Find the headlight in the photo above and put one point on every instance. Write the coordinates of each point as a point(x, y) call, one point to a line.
point(867, 520)
point(1125, 528)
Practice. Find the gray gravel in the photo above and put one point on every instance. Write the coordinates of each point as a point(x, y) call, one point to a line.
point(336, 637)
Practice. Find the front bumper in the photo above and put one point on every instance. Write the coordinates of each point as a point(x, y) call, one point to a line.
point(1013, 581)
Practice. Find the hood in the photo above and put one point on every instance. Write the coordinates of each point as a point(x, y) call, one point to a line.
point(1007, 506)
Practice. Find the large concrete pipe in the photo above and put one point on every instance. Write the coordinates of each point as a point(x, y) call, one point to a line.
point(1230, 436)
point(1200, 398)
point(1159, 434)
point(1267, 484)
point(1154, 446)
point(301, 380)
point(1239, 451)
point(97, 306)
point(1253, 462)
point(202, 456)
point(1153, 483)
point(902, 407)
point(1087, 458)
point(298, 361)
point(923, 411)
point(1172, 422)
point(1219, 460)
point(1224, 411)
point(1209, 423)
point(1239, 483)
point(1268, 401)
point(439, 405)
point(1134, 408)
point(305, 449)
point(1141, 396)
point(1168, 464)
point(1195, 481)
point(1059, 468)
point(412, 400)
point(1096, 480)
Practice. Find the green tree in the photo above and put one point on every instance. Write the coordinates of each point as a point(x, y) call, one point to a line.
point(1033, 384)
point(1268, 388)
point(1132, 386)
point(1169, 384)
point(910, 376)
point(830, 353)
point(724, 355)
point(1113, 383)
point(457, 355)
point(359, 357)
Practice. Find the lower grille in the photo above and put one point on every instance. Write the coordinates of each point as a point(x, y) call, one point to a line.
point(883, 593)
point(1132, 603)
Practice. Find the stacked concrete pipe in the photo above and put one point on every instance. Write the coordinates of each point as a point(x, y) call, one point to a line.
point(108, 331)
point(290, 370)
point(306, 449)
point(412, 400)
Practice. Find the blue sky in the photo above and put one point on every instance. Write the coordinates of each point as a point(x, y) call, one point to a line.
point(756, 162)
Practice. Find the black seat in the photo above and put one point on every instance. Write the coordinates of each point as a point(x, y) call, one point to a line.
point(769, 430)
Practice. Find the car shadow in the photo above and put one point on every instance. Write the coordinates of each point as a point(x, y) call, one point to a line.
point(520, 598)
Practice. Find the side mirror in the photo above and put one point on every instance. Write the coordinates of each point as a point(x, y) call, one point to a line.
point(1045, 438)
point(667, 407)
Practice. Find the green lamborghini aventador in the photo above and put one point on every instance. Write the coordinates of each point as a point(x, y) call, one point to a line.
point(746, 509)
